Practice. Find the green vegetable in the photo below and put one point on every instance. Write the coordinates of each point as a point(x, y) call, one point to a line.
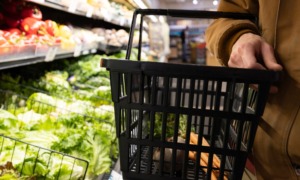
point(36, 163)
point(104, 113)
point(170, 125)
point(71, 113)
point(8, 121)
point(43, 103)
point(55, 82)
point(31, 120)
point(85, 68)
point(97, 81)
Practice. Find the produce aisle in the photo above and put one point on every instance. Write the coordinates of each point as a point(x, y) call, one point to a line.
point(66, 109)
point(56, 112)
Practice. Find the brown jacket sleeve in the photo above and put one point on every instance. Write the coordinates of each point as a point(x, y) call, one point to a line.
point(222, 33)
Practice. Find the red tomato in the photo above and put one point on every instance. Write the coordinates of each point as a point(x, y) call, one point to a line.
point(30, 25)
point(31, 11)
point(51, 27)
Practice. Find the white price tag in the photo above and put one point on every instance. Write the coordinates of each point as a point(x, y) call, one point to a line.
point(93, 50)
point(72, 7)
point(89, 12)
point(85, 52)
point(50, 56)
point(122, 21)
point(77, 50)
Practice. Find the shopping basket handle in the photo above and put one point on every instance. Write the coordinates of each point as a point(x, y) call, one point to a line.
point(178, 13)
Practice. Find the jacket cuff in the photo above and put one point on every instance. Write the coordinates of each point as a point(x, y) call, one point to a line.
point(228, 41)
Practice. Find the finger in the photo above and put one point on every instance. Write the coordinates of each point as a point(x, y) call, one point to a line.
point(250, 60)
point(235, 61)
point(269, 58)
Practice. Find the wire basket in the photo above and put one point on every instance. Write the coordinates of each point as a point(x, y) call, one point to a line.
point(19, 159)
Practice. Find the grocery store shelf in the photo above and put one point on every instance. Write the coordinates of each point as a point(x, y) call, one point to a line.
point(88, 14)
point(48, 57)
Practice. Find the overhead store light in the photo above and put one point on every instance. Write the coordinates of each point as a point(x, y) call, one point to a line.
point(195, 2)
point(215, 2)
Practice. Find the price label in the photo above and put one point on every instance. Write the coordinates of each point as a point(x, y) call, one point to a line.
point(50, 56)
point(122, 21)
point(85, 52)
point(72, 7)
point(77, 50)
point(89, 12)
point(93, 50)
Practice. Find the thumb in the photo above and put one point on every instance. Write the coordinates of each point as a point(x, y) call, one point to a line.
point(269, 58)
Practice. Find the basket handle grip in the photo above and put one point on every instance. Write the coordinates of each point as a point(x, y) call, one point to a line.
point(181, 14)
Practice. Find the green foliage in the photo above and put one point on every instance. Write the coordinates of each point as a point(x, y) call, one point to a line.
point(70, 112)
point(8, 121)
point(170, 123)
point(43, 103)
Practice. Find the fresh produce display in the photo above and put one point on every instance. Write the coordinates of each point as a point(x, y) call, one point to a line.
point(53, 111)
point(24, 32)
point(112, 37)
point(27, 19)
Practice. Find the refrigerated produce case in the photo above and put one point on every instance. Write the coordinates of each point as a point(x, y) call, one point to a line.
point(40, 102)
point(60, 120)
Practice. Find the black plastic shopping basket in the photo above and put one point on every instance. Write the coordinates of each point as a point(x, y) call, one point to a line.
point(183, 121)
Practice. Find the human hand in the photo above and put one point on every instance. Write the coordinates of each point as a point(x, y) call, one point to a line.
point(252, 51)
